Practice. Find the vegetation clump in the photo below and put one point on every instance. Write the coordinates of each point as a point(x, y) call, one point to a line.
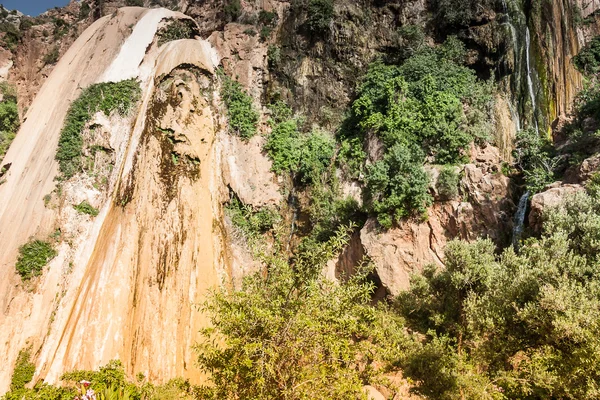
point(294, 335)
point(320, 15)
point(86, 208)
point(251, 223)
point(430, 107)
point(242, 116)
point(9, 117)
point(305, 155)
point(33, 256)
point(175, 29)
point(518, 326)
point(447, 182)
point(105, 97)
point(587, 61)
point(23, 372)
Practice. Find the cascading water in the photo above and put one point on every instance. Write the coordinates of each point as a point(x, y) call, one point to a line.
point(530, 78)
point(520, 220)
point(524, 77)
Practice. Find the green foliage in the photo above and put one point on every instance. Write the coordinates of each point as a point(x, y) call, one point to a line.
point(306, 156)
point(273, 56)
point(86, 208)
point(84, 10)
point(250, 222)
point(134, 3)
point(52, 56)
point(458, 13)
point(107, 380)
point(534, 156)
point(588, 59)
point(106, 97)
point(294, 335)
point(33, 256)
point(518, 326)
point(429, 107)
point(243, 118)
point(447, 182)
point(175, 29)
point(11, 35)
point(320, 15)
point(397, 185)
point(232, 9)
point(9, 117)
point(23, 372)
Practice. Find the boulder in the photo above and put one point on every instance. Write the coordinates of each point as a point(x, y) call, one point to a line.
point(552, 197)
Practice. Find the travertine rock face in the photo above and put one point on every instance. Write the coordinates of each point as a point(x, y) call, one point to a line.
point(124, 283)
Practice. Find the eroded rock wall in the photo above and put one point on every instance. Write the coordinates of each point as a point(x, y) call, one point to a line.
point(124, 283)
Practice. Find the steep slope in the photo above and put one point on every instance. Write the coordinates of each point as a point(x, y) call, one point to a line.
point(124, 283)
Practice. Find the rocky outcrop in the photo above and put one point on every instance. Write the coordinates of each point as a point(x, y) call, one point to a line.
point(551, 197)
point(485, 211)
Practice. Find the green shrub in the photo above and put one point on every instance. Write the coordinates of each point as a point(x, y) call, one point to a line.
point(233, 10)
point(33, 256)
point(86, 208)
point(587, 61)
point(243, 118)
point(84, 10)
point(12, 35)
point(250, 222)
point(293, 335)
point(458, 13)
point(397, 185)
point(134, 3)
point(106, 97)
point(447, 182)
point(175, 30)
point(534, 157)
point(23, 372)
point(320, 15)
point(52, 56)
point(306, 156)
point(109, 383)
point(429, 107)
point(9, 118)
point(273, 56)
point(517, 326)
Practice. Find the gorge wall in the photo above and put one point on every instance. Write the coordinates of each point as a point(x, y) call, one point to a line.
point(124, 283)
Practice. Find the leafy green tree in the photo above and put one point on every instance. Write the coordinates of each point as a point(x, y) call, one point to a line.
point(534, 156)
point(294, 335)
point(587, 61)
point(320, 15)
point(397, 186)
point(305, 155)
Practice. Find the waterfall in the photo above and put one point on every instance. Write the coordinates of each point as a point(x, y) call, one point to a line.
point(520, 220)
point(530, 77)
point(524, 73)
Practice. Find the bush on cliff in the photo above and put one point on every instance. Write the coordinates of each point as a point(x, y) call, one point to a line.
point(242, 116)
point(33, 257)
point(428, 108)
point(106, 97)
